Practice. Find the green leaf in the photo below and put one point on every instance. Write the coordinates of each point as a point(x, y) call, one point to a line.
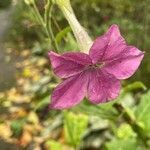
point(105, 111)
point(62, 33)
point(71, 44)
point(125, 131)
point(142, 112)
point(127, 90)
point(134, 86)
point(29, 2)
point(53, 145)
point(74, 126)
point(17, 127)
point(44, 102)
point(122, 144)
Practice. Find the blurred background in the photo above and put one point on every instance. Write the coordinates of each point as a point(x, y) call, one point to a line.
point(26, 79)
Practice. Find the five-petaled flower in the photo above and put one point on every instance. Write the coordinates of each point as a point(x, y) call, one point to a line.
point(96, 75)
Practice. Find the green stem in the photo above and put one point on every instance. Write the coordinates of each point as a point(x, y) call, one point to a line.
point(40, 19)
point(48, 9)
point(46, 23)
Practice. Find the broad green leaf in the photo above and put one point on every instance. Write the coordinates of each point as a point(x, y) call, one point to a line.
point(142, 111)
point(74, 126)
point(122, 144)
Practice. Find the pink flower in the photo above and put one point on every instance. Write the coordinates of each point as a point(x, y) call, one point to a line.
point(96, 75)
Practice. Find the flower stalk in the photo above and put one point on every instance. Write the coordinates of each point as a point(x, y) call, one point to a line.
point(44, 22)
point(47, 17)
point(82, 37)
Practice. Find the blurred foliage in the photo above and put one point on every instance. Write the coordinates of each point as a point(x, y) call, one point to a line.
point(74, 126)
point(25, 118)
point(5, 3)
point(125, 144)
point(142, 112)
point(54, 145)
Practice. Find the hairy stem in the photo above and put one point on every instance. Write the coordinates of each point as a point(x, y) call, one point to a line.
point(82, 37)
point(48, 9)
point(45, 22)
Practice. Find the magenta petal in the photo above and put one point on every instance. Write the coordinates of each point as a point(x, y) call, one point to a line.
point(114, 34)
point(102, 87)
point(114, 50)
point(70, 92)
point(126, 63)
point(78, 57)
point(68, 64)
point(100, 48)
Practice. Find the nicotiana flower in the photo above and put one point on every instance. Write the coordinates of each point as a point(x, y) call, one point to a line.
point(95, 75)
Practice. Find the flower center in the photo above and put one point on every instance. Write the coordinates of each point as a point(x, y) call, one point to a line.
point(98, 65)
